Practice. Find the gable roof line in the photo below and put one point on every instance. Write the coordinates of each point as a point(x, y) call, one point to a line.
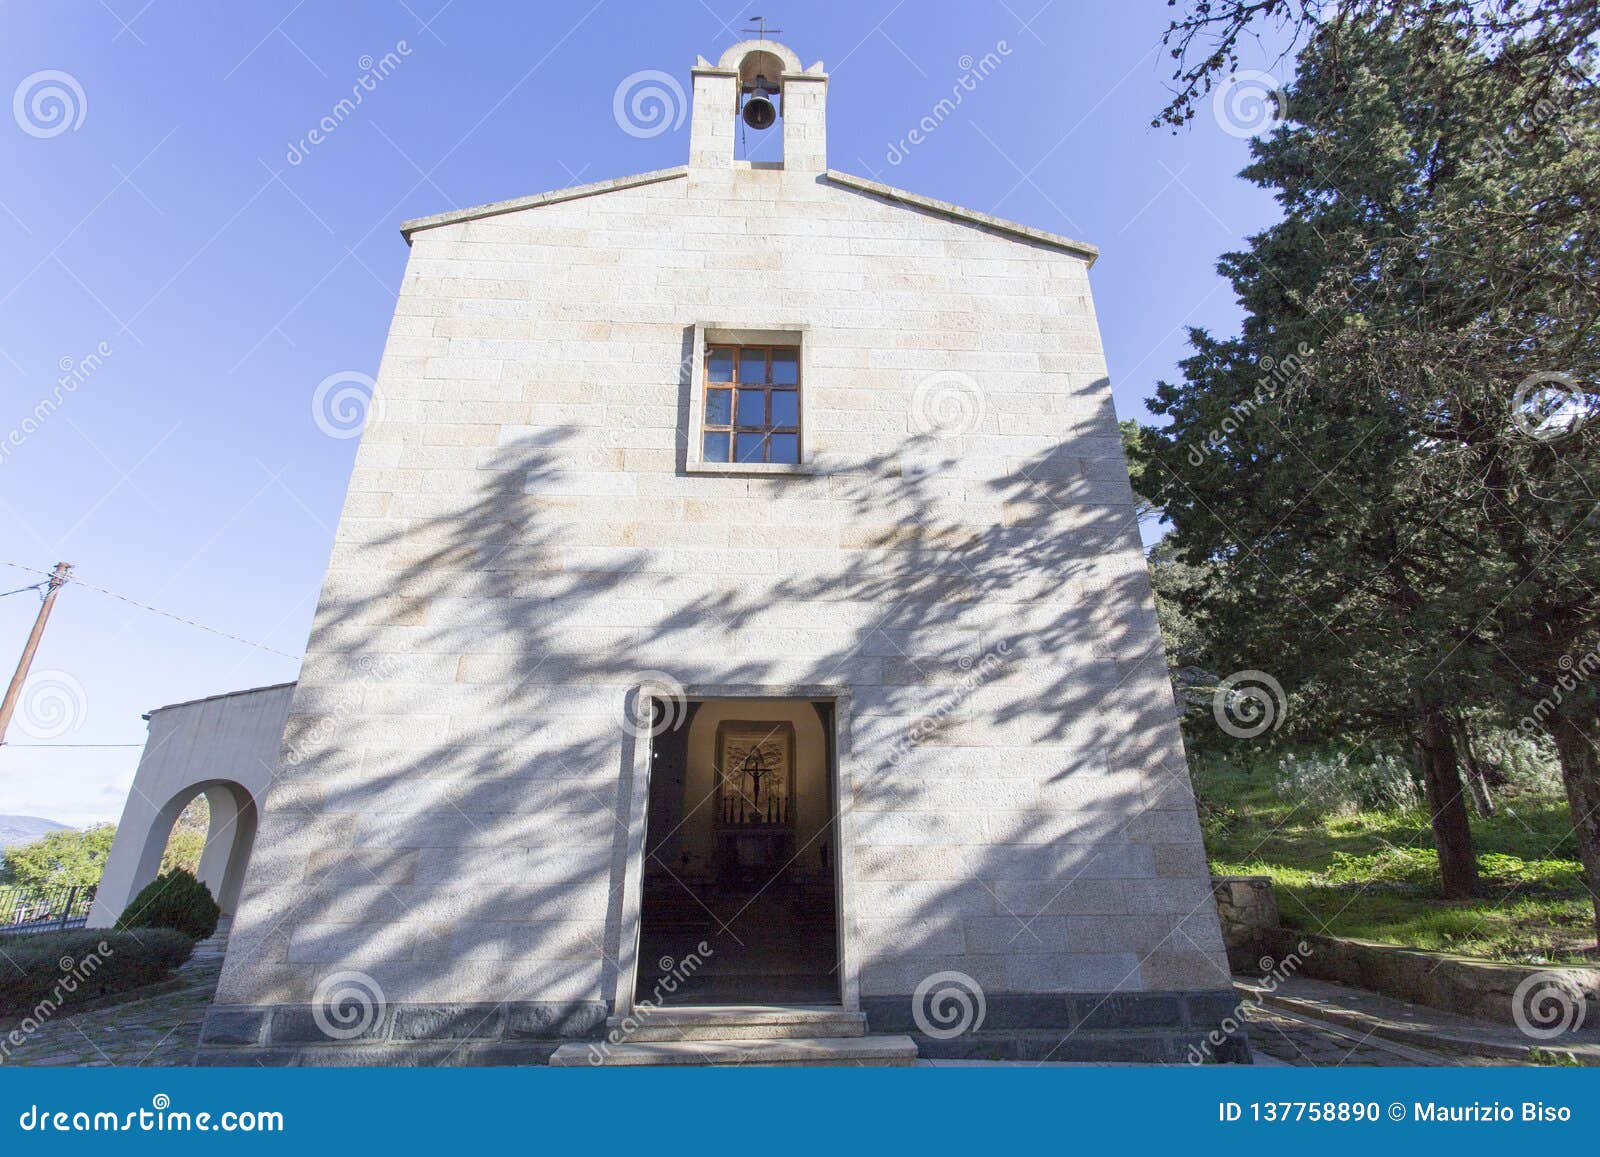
point(960, 213)
point(572, 193)
point(900, 196)
point(218, 695)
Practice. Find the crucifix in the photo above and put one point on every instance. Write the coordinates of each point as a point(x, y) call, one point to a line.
point(756, 772)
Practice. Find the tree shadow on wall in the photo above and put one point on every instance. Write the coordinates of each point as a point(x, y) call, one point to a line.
point(451, 816)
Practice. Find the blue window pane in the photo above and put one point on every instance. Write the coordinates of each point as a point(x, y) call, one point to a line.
point(753, 366)
point(719, 365)
point(785, 367)
point(752, 408)
point(785, 408)
point(716, 448)
point(750, 448)
point(785, 448)
point(719, 407)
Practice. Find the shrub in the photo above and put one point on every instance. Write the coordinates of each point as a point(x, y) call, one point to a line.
point(1417, 868)
point(49, 971)
point(174, 900)
point(1335, 785)
point(1528, 762)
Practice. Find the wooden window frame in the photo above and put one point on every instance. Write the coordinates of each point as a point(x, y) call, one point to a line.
point(738, 386)
point(708, 338)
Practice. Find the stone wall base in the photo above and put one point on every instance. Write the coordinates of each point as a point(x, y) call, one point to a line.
point(1193, 1027)
point(1484, 989)
point(1190, 1027)
point(1246, 907)
point(1143, 1028)
point(516, 1033)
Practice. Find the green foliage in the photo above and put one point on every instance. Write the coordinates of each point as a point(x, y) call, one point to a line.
point(1335, 784)
point(1408, 868)
point(48, 972)
point(1371, 873)
point(1392, 318)
point(1552, 1058)
point(183, 851)
point(62, 859)
point(1527, 762)
point(1390, 467)
point(1515, 874)
point(174, 900)
point(1533, 37)
point(70, 858)
point(1132, 436)
point(188, 839)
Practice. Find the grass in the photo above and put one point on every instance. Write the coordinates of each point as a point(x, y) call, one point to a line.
point(1370, 872)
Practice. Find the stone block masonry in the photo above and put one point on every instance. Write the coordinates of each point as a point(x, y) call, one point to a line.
point(522, 546)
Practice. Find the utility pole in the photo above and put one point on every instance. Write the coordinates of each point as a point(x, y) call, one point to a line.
point(14, 692)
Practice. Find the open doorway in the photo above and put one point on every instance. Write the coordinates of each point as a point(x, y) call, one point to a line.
point(740, 855)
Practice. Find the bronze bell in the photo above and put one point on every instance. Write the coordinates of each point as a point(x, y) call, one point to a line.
point(759, 111)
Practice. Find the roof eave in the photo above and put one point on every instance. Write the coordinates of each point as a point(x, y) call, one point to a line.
point(478, 212)
point(218, 695)
point(1083, 249)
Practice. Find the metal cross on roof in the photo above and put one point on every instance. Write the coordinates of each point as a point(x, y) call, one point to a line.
point(760, 28)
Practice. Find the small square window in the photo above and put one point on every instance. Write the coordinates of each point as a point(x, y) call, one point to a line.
point(750, 405)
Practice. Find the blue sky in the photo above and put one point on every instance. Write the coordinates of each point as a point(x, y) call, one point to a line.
point(158, 239)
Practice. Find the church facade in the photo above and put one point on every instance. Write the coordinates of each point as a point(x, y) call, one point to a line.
point(737, 633)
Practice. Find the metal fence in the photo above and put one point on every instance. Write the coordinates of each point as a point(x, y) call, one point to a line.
point(55, 910)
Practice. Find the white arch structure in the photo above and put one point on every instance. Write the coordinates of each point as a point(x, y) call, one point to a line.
point(224, 747)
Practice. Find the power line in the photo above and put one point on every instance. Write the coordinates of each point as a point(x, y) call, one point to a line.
point(76, 581)
point(190, 622)
point(74, 745)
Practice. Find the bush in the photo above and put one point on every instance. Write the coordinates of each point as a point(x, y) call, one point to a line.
point(49, 971)
point(174, 900)
point(1527, 762)
point(1329, 784)
point(1414, 868)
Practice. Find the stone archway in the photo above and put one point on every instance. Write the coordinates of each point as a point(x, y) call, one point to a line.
point(223, 748)
point(142, 837)
point(229, 839)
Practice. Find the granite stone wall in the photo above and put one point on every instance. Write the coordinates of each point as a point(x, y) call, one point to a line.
point(521, 545)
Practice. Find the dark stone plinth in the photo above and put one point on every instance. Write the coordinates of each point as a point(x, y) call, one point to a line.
point(516, 1033)
point(1194, 1027)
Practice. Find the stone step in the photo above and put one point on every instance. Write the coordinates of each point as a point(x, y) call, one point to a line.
point(739, 1022)
point(875, 1051)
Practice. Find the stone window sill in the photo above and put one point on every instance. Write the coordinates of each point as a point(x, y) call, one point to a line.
point(801, 468)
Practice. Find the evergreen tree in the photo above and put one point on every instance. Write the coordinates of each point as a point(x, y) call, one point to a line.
point(1392, 466)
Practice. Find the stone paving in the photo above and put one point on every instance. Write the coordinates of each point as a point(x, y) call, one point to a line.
point(1276, 1037)
point(160, 1030)
point(164, 1030)
point(1408, 1025)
